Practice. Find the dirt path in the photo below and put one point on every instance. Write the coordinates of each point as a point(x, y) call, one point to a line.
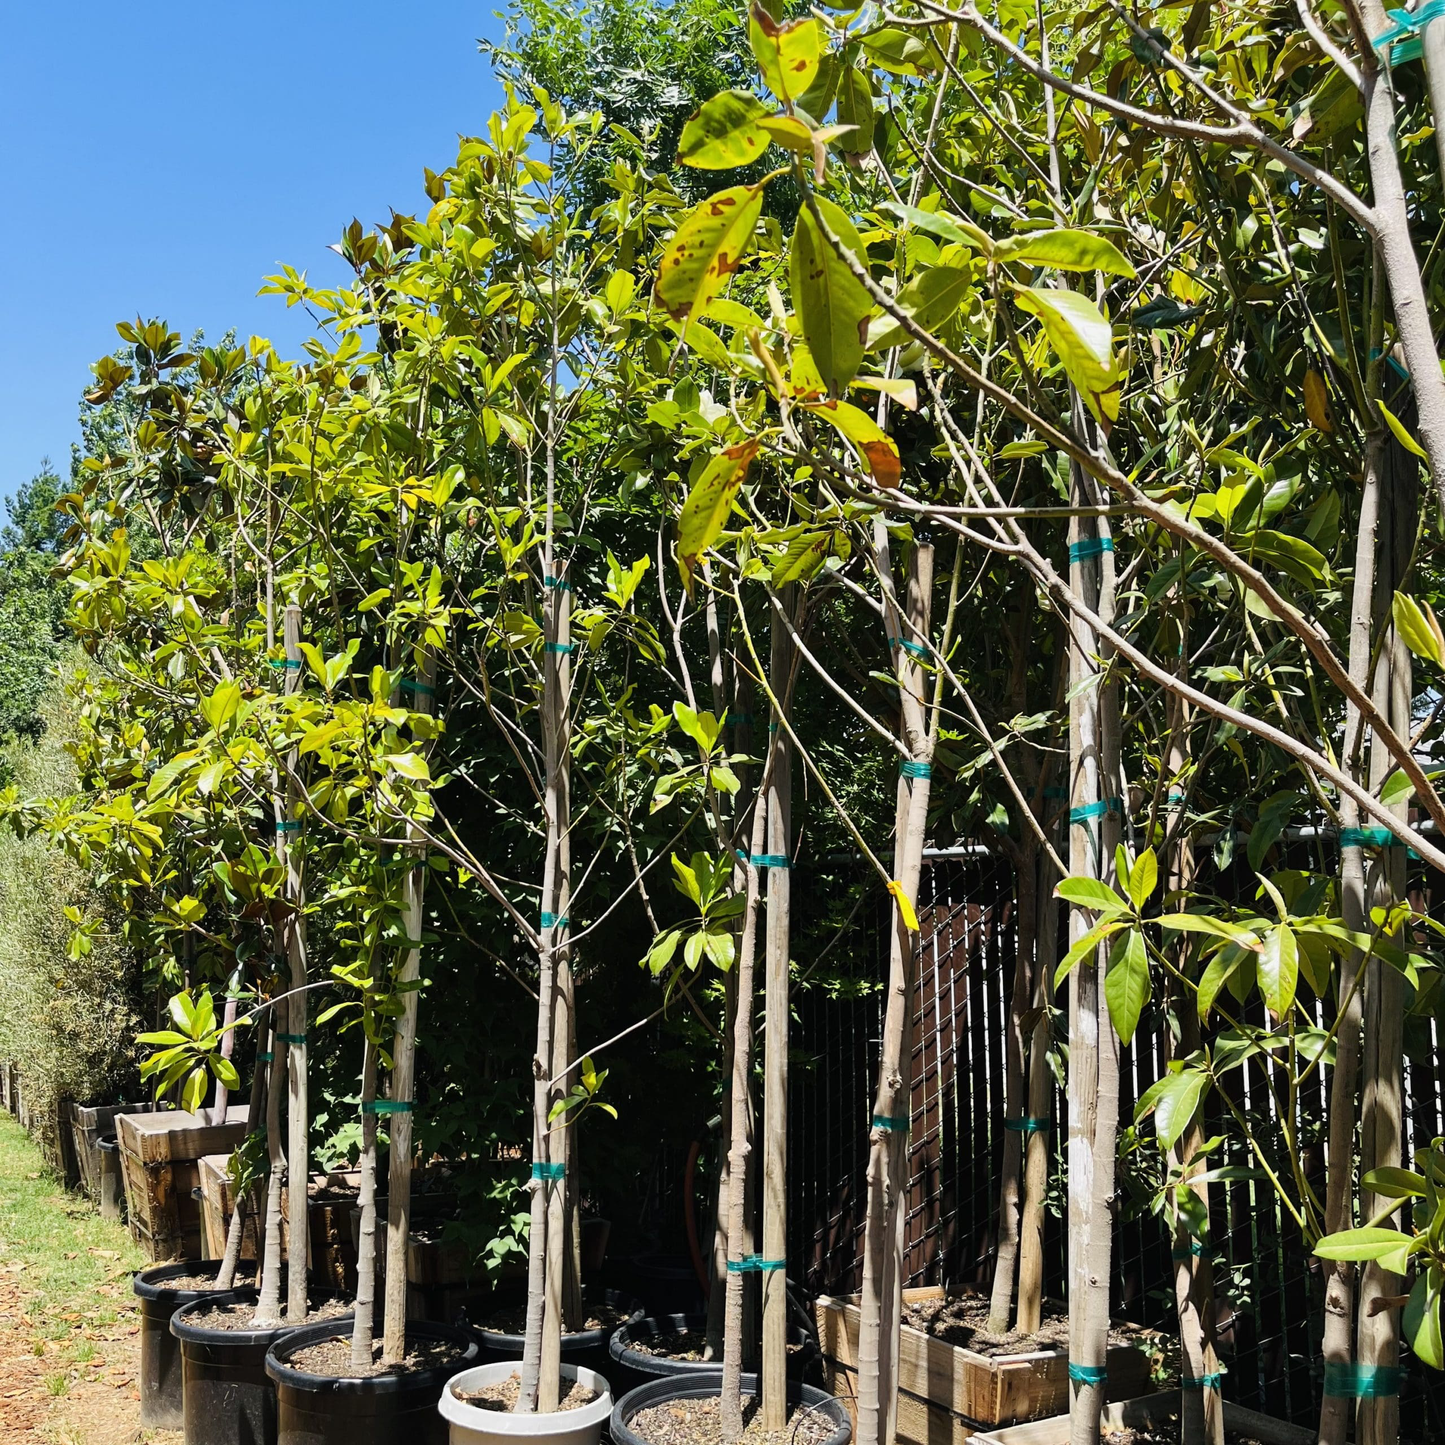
point(69, 1330)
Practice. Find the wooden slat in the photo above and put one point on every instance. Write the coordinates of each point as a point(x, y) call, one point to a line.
point(153, 1138)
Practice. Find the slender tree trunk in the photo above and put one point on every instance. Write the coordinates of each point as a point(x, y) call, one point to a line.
point(1338, 1338)
point(403, 1075)
point(268, 1303)
point(221, 1100)
point(364, 1326)
point(236, 1230)
point(1016, 1122)
point(774, 1271)
point(298, 1169)
point(883, 1237)
point(730, 1405)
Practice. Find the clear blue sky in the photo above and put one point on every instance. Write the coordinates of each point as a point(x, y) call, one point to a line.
point(161, 158)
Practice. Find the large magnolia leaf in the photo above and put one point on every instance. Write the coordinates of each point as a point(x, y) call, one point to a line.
point(788, 54)
point(902, 52)
point(1278, 970)
point(855, 108)
point(1421, 1320)
point(1417, 625)
point(706, 249)
point(1173, 1101)
point(877, 448)
point(724, 132)
point(1083, 340)
point(830, 301)
point(1065, 250)
point(1126, 985)
point(930, 298)
point(708, 503)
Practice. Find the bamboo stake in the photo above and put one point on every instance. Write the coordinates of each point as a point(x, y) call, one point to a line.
point(879, 1317)
point(775, 1042)
point(403, 1072)
point(297, 1154)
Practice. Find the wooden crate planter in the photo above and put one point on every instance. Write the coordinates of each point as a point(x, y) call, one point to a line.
point(1155, 1410)
point(89, 1124)
point(159, 1155)
point(949, 1393)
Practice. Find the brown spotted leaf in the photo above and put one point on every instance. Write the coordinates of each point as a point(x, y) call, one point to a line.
point(706, 249)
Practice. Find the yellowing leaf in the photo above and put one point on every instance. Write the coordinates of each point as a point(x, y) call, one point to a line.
point(1417, 625)
point(1317, 402)
point(706, 249)
point(1083, 340)
point(1065, 250)
point(708, 503)
point(904, 392)
point(789, 132)
point(787, 54)
point(724, 132)
point(1401, 434)
point(905, 906)
point(832, 306)
point(877, 448)
point(855, 108)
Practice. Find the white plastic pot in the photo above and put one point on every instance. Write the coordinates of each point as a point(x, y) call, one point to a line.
point(472, 1426)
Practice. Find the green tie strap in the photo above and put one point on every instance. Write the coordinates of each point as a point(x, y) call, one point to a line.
point(1028, 1126)
point(386, 1106)
point(289, 825)
point(561, 648)
point(554, 920)
point(1194, 1250)
point(1058, 795)
point(1090, 811)
point(291, 664)
point(1346, 1380)
point(295, 1039)
point(422, 689)
point(1367, 838)
point(912, 648)
point(755, 1264)
point(264, 1058)
point(549, 1172)
point(560, 583)
point(1203, 1382)
point(891, 1124)
point(1090, 547)
point(1087, 1374)
point(771, 860)
point(910, 769)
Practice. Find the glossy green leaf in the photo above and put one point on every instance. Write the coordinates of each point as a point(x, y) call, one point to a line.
point(1173, 1100)
point(1065, 250)
point(901, 52)
point(1143, 878)
point(1278, 970)
point(929, 299)
point(1419, 629)
point(1126, 984)
point(1083, 340)
point(1361, 1244)
point(1420, 1322)
point(1402, 433)
point(724, 132)
point(855, 108)
point(1090, 893)
point(832, 306)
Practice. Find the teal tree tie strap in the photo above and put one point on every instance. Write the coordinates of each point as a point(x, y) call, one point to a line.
point(891, 1123)
point(1367, 838)
point(909, 769)
point(1028, 1126)
point(1089, 547)
point(1346, 1380)
point(386, 1106)
point(560, 583)
point(288, 825)
point(1401, 41)
point(1090, 811)
point(912, 648)
point(554, 920)
point(1194, 1250)
point(549, 1172)
point(742, 719)
point(1058, 795)
point(295, 1039)
point(755, 1264)
point(422, 689)
point(1087, 1374)
point(561, 648)
point(771, 860)
point(264, 1058)
point(291, 664)
point(1203, 1382)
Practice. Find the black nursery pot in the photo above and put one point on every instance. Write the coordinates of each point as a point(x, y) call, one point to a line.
point(228, 1398)
point(378, 1410)
point(587, 1347)
point(160, 1351)
point(704, 1383)
point(632, 1367)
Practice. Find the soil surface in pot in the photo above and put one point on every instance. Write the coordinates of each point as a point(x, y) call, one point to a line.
point(513, 1321)
point(963, 1321)
point(698, 1422)
point(502, 1396)
point(690, 1345)
point(206, 1280)
point(1163, 1434)
point(332, 1358)
point(242, 1316)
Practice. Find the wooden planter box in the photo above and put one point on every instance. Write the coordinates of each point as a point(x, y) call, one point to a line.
point(947, 1393)
point(1153, 1410)
point(89, 1124)
point(159, 1158)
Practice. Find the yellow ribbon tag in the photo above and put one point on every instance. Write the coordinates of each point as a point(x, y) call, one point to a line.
point(905, 907)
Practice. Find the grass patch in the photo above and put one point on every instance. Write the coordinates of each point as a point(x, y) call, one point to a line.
point(77, 1261)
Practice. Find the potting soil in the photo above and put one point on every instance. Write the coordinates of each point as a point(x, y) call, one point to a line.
point(514, 1321)
point(502, 1396)
point(242, 1316)
point(698, 1422)
point(962, 1321)
point(204, 1281)
point(333, 1358)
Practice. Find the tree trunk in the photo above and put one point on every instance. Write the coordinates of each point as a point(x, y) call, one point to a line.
point(730, 1405)
point(364, 1325)
point(298, 1170)
point(879, 1322)
point(774, 1273)
point(403, 1075)
point(268, 1302)
point(235, 1231)
point(221, 1100)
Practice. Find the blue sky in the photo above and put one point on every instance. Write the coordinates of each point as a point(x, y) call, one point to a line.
point(161, 158)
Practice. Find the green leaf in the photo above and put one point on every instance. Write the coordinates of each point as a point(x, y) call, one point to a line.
point(1417, 625)
point(708, 504)
point(409, 765)
point(1361, 1244)
point(1278, 970)
point(818, 98)
point(1393, 1183)
point(900, 52)
point(706, 249)
point(1126, 985)
point(855, 108)
point(1091, 893)
point(1173, 1100)
point(832, 306)
point(878, 450)
point(1083, 340)
point(1402, 435)
point(1397, 789)
point(1206, 923)
point(940, 224)
point(787, 54)
point(724, 132)
point(1065, 250)
point(1143, 878)
point(222, 705)
point(1085, 946)
point(225, 1071)
point(929, 299)
point(1420, 1321)
point(805, 555)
